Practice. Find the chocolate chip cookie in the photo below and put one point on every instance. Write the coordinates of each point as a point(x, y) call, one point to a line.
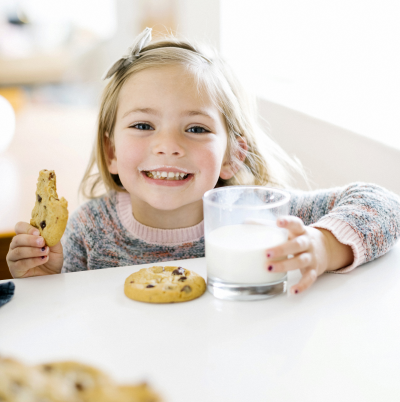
point(50, 214)
point(164, 285)
point(77, 376)
point(66, 381)
point(19, 382)
point(123, 393)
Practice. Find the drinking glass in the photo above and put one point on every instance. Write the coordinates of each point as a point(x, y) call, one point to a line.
point(239, 226)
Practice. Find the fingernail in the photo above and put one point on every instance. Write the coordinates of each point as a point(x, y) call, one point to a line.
point(281, 221)
point(270, 268)
point(269, 254)
point(43, 248)
point(36, 233)
point(43, 257)
point(39, 241)
point(296, 291)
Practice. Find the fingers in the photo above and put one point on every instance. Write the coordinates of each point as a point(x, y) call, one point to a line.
point(19, 268)
point(26, 240)
point(22, 253)
point(308, 278)
point(27, 250)
point(301, 261)
point(295, 246)
point(292, 223)
point(26, 228)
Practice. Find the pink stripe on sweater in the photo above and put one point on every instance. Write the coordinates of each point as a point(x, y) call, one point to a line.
point(166, 237)
point(345, 234)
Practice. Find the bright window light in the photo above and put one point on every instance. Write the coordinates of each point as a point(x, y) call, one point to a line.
point(337, 61)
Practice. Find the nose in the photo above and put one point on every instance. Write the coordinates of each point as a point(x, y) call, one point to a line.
point(168, 143)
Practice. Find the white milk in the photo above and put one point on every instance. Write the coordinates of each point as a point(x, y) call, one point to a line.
point(236, 253)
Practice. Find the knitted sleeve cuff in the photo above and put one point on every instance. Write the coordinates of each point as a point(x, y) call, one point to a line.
point(345, 234)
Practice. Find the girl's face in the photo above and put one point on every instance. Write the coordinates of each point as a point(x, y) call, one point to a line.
point(164, 127)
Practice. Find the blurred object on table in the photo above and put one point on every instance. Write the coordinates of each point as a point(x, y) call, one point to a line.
point(67, 381)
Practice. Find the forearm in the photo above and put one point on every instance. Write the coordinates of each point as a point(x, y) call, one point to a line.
point(339, 255)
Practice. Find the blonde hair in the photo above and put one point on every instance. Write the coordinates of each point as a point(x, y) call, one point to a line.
point(265, 161)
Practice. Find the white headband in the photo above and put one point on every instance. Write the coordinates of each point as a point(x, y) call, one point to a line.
point(132, 54)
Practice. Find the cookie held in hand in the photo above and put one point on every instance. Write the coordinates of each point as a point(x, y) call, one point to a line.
point(164, 285)
point(50, 214)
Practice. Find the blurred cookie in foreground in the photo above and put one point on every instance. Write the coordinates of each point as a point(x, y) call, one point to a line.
point(80, 379)
point(124, 393)
point(19, 382)
point(164, 285)
point(50, 214)
point(66, 381)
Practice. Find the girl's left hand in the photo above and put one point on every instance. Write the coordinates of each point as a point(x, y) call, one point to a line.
point(309, 248)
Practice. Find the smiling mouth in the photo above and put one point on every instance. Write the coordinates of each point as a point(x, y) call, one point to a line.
point(170, 176)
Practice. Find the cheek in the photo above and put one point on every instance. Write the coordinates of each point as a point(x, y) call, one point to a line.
point(128, 151)
point(211, 157)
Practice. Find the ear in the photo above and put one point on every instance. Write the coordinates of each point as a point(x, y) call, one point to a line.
point(110, 155)
point(230, 167)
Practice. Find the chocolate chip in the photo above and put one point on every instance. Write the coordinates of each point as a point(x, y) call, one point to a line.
point(132, 281)
point(79, 386)
point(178, 271)
point(43, 224)
point(39, 198)
point(15, 388)
point(182, 279)
point(51, 175)
point(150, 286)
point(17, 384)
point(186, 289)
point(47, 367)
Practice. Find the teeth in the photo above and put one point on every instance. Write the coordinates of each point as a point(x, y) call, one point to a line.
point(166, 175)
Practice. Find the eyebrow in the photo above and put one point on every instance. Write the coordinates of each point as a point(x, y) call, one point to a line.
point(149, 110)
point(146, 110)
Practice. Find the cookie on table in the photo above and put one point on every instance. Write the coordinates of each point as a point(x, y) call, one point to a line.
point(16, 381)
point(125, 393)
point(139, 393)
point(164, 285)
point(19, 382)
point(50, 214)
point(65, 381)
point(78, 378)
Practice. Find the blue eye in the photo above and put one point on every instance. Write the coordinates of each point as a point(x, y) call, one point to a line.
point(142, 126)
point(197, 130)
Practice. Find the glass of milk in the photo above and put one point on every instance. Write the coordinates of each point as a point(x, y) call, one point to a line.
point(240, 225)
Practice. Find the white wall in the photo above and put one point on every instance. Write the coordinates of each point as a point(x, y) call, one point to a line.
point(332, 156)
point(338, 61)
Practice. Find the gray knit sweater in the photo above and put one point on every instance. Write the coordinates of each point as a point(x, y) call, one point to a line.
point(103, 233)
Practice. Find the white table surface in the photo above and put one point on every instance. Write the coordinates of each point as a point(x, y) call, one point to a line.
point(339, 341)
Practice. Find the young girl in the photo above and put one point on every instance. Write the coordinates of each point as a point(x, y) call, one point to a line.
point(174, 123)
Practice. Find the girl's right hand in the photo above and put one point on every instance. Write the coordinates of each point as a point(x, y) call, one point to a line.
point(29, 256)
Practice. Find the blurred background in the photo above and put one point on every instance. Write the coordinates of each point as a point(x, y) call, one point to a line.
point(308, 61)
